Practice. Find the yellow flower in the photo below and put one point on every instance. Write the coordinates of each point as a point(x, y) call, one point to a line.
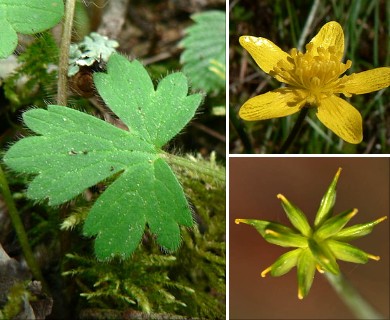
point(314, 80)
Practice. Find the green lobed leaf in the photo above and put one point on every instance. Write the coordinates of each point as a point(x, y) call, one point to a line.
point(204, 51)
point(74, 151)
point(158, 115)
point(8, 37)
point(27, 17)
point(145, 193)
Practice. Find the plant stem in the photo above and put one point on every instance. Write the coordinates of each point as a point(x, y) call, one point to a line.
point(197, 167)
point(359, 307)
point(241, 131)
point(295, 130)
point(19, 229)
point(309, 21)
point(62, 86)
point(304, 110)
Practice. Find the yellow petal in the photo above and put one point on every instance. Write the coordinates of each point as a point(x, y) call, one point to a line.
point(264, 52)
point(368, 81)
point(342, 118)
point(274, 104)
point(330, 35)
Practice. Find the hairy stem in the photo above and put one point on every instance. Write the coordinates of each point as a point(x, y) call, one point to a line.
point(359, 307)
point(295, 130)
point(196, 167)
point(19, 229)
point(62, 85)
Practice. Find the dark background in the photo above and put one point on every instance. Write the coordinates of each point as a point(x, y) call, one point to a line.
point(254, 184)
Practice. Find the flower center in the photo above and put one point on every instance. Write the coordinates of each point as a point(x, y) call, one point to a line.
point(316, 71)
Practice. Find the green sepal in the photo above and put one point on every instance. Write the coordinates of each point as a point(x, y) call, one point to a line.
point(284, 239)
point(357, 231)
point(334, 224)
point(276, 233)
point(261, 225)
point(285, 262)
point(327, 202)
point(324, 256)
point(296, 216)
point(306, 267)
point(346, 252)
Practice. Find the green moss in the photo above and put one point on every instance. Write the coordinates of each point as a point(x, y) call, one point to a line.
point(34, 80)
point(190, 283)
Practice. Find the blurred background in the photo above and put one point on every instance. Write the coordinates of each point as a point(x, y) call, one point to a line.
point(254, 184)
point(366, 25)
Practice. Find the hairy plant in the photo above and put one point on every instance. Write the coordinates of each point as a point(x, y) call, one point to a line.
point(74, 151)
point(204, 51)
point(29, 17)
point(32, 81)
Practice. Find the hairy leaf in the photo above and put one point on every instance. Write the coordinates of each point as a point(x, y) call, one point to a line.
point(204, 54)
point(74, 151)
point(157, 116)
point(26, 17)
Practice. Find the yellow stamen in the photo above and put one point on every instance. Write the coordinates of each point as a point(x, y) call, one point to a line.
point(319, 269)
point(300, 295)
point(273, 233)
point(380, 219)
point(281, 197)
point(353, 213)
point(376, 258)
point(317, 70)
point(237, 221)
point(264, 273)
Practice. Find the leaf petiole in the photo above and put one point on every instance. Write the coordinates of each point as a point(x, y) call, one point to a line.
point(64, 53)
point(196, 167)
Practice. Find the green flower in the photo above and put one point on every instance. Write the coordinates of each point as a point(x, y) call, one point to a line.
point(318, 246)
